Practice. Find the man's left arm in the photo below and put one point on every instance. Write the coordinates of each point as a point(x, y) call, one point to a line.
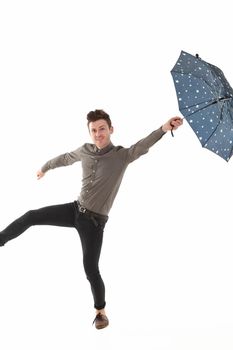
point(142, 146)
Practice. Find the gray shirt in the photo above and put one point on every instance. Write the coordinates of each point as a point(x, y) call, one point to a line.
point(103, 169)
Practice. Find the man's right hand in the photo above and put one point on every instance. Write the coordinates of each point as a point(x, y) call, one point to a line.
point(39, 174)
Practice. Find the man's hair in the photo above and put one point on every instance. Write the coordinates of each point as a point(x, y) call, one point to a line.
point(98, 114)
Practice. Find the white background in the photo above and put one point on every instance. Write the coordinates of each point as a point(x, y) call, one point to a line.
point(167, 253)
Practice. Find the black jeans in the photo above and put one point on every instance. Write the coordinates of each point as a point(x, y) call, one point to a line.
point(90, 229)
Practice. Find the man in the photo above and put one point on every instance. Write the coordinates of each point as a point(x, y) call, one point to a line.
point(103, 168)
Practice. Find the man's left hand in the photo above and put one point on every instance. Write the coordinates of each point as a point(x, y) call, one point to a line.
point(172, 124)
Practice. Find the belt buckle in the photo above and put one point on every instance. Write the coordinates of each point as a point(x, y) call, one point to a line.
point(82, 209)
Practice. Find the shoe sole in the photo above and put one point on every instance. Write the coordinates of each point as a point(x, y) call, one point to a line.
point(101, 327)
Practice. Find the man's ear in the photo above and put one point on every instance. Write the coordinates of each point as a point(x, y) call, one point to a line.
point(111, 130)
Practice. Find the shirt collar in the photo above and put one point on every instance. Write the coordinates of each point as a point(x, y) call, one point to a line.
point(103, 150)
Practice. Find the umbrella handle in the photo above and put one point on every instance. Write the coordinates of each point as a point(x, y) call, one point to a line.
point(172, 130)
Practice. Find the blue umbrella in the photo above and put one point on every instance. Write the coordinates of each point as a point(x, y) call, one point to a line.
point(205, 99)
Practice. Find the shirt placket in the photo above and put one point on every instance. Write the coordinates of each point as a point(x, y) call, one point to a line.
point(93, 174)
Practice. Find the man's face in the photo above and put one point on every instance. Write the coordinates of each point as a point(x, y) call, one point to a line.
point(100, 133)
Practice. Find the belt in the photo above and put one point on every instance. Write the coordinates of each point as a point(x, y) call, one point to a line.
point(90, 213)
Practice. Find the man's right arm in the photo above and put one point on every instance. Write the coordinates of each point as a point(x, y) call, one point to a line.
point(62, 160)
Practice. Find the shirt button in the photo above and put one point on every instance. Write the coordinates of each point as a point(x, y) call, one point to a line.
point(96, 161)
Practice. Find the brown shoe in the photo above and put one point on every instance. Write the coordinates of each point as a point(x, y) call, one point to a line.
point(101, 321)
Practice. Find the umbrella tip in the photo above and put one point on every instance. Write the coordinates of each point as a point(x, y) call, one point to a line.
point(197, 56)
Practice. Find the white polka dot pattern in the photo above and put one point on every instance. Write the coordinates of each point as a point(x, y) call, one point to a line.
point(205, 99)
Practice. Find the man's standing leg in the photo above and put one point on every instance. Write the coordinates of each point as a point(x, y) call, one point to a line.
point(91, 235)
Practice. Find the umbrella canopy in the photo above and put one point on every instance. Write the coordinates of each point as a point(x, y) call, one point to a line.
point(205, 99)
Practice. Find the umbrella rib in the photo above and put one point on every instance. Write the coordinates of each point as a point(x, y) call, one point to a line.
point(216, 125)
point(200, 109)
point(208, 103)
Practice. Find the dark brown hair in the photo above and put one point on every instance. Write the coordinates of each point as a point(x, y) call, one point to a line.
point(93, 116)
